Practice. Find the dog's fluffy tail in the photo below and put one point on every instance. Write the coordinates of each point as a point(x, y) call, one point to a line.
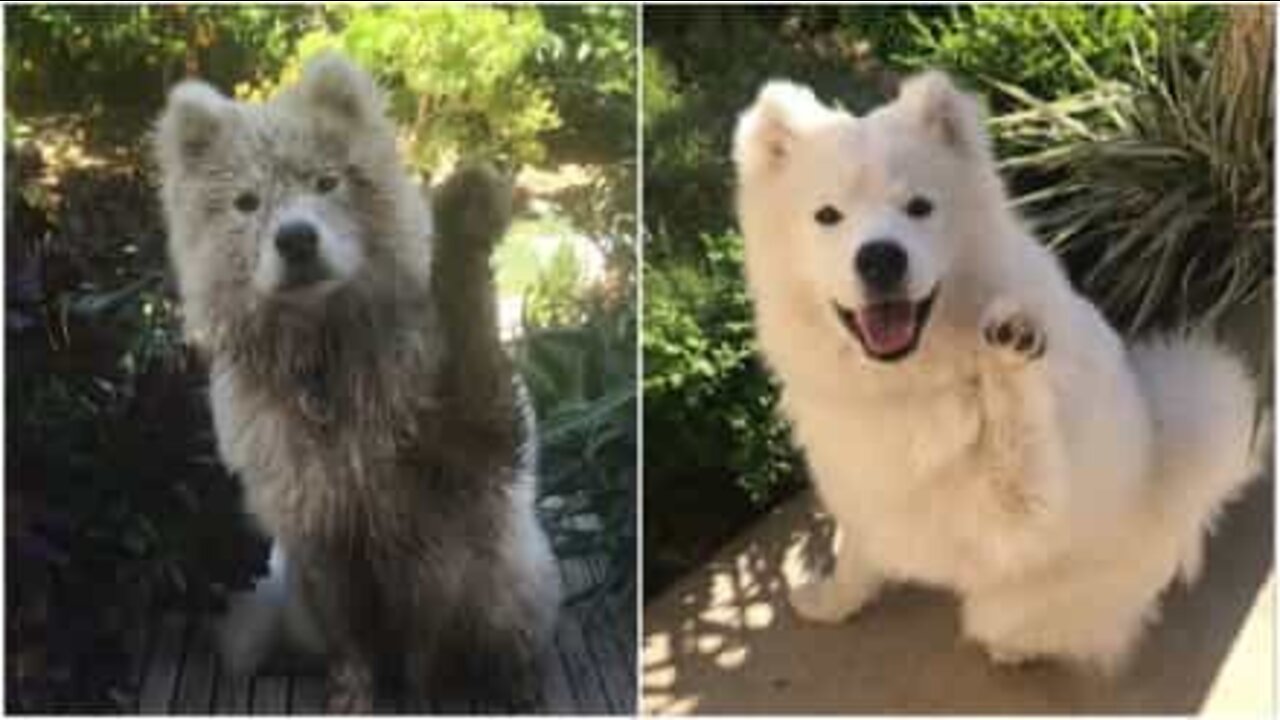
point(1202, 404)
point(267, 619)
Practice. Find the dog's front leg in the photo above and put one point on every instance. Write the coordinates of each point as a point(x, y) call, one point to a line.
point(472, 210)
point(852, 583)
point(1021, 444)
point(338, 593)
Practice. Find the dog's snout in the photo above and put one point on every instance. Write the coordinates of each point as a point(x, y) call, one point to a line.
point(296, 241)
point(882, 264)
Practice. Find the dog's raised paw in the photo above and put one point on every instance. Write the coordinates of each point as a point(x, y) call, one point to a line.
point(1012, 331)
point(473, 209)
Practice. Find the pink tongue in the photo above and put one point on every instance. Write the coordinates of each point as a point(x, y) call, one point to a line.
point(887, 327)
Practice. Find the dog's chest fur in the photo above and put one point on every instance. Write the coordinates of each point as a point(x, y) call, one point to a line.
point(305, 471)
point(341, 451)
point(915, 492)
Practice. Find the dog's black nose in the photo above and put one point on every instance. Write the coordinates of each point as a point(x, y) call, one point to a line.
point(297, 241)
point(881, 264)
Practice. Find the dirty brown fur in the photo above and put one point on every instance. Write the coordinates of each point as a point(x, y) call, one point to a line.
point(379, 434)
point(472, 209)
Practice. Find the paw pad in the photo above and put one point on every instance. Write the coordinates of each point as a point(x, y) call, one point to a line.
point(1016, 333)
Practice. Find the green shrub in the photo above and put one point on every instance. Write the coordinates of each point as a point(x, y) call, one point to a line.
point(1159, 190)
point(1049, 50)
point(115, 498)
point(455, 76)
point(582, 377)
point(112, 66)
point(590, 65)
point(709, 407)
point(554, 297)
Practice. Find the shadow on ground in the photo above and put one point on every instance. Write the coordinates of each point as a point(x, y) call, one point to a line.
point(724, 639)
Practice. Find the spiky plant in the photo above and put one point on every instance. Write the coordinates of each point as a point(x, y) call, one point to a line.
point(582, 379)
point(1157, 188)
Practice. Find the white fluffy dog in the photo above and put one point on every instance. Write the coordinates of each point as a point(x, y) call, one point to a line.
point(969, 419)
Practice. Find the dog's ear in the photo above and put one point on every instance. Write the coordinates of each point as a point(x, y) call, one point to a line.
point(334, 84)
point(195, 118)
point(954, 118)
point(767, 131)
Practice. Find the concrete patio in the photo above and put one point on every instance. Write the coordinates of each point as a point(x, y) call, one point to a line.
point(724, 640)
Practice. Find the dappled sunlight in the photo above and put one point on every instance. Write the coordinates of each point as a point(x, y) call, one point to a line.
point(541, 254)
point(541, 181)
point(725, 640)
point(64, 145)
point(719, 612)
point(546, 264)
point(660, 678)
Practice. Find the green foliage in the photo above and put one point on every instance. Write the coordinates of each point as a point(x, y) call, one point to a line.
point(518, 260)
point(709, 407)
point(582, 378)
point(554, 298)
point(514, 85)
point(116, 63)
point(1160, 187)
point(661, 96)
point(578, 356)
point(1048, 50)
point(115, 498)
point(589, 64)
point(455, 76)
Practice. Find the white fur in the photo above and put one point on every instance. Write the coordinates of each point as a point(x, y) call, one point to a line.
point(269, 616)
point(528, 543)
point(338, 249)
point(1056, 495)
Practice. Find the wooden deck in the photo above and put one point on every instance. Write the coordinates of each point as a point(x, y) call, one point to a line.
point(593, 672)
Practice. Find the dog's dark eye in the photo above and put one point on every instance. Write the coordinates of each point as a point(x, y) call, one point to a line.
point(326, 183)
point(919, 207)
point(247, 202)
point(828, 215)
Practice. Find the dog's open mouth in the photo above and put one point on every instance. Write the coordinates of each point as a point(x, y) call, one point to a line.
point(888, 330)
